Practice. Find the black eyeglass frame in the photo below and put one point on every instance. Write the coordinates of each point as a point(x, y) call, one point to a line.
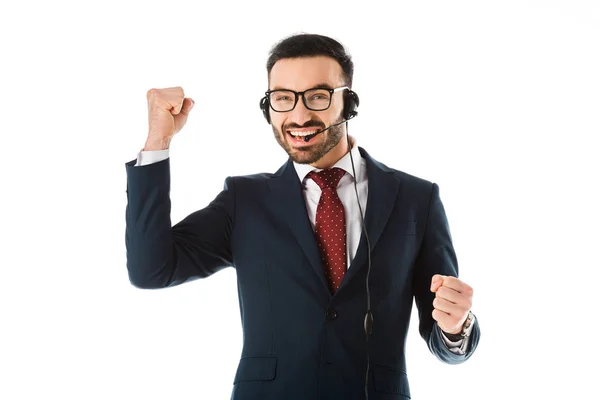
point(298, 94)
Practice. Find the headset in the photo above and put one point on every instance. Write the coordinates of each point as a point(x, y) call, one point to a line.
point(351, 102)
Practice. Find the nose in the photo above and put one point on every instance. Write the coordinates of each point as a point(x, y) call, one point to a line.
point(300, 114)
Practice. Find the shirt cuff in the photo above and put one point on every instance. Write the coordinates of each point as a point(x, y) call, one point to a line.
point(151, 157)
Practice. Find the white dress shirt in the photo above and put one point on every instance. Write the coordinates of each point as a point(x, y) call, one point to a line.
point(346, 193)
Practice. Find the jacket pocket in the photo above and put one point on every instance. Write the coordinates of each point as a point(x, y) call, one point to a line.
point(390, 380)
point(259, 368)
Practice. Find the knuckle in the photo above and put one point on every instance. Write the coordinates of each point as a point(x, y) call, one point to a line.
point(467, 290)
point(151, 93)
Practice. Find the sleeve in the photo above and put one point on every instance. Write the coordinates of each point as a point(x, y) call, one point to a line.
point(151, 157)
point(160, 255)
point(437, 256)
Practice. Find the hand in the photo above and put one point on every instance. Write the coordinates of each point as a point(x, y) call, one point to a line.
point(452, 303)
point(168, 111)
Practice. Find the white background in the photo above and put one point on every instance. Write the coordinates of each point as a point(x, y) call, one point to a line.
point(497, 102)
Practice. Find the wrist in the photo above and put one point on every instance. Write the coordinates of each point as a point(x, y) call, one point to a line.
point(453, 337)
point(157, 144)
point(464, 331)
point(453, 333)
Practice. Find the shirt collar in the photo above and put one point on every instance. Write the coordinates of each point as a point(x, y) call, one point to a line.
point(344, 163)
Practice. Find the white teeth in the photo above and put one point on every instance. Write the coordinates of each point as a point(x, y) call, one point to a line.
point(304, 133)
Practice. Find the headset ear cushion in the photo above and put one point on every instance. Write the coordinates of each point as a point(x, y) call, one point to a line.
point(351, 102)
point(264, 106)
point(356, 101)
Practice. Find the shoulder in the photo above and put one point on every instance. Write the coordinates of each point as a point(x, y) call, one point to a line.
point(257, 179)
point(412, 180)
point(261, 176)
point(250, 181)
point(409, 181)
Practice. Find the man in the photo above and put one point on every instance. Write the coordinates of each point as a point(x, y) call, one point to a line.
point(295, 238)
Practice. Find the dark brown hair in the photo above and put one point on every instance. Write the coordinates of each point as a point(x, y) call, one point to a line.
point(310, 45)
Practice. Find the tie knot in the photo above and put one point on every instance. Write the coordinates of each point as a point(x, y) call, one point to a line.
point(328, 178)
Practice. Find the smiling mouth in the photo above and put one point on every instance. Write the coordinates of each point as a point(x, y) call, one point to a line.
point(303, 135)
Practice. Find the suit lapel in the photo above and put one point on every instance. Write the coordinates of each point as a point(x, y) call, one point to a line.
point(290, 204)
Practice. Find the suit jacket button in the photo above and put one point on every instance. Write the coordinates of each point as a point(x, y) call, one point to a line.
point(331, 314)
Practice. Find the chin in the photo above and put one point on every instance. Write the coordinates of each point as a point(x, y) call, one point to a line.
point(303, 156)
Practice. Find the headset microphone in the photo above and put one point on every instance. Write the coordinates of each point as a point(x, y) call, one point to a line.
point(308, 137)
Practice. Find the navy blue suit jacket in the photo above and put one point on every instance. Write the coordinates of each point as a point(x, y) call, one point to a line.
point(300, 341)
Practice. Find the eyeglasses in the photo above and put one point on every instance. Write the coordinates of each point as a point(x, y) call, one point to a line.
point(317, 99)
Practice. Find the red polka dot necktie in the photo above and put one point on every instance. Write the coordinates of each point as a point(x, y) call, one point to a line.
point(330, 225)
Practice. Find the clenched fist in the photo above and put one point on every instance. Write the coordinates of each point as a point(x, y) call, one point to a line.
point(168, 110)
point(452, 303)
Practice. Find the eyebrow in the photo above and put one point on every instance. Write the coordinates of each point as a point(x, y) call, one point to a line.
point(317, 86)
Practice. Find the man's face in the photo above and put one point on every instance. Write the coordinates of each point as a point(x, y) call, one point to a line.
point(299, 74)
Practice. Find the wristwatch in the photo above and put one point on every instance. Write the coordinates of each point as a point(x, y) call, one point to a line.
point(468, 325)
